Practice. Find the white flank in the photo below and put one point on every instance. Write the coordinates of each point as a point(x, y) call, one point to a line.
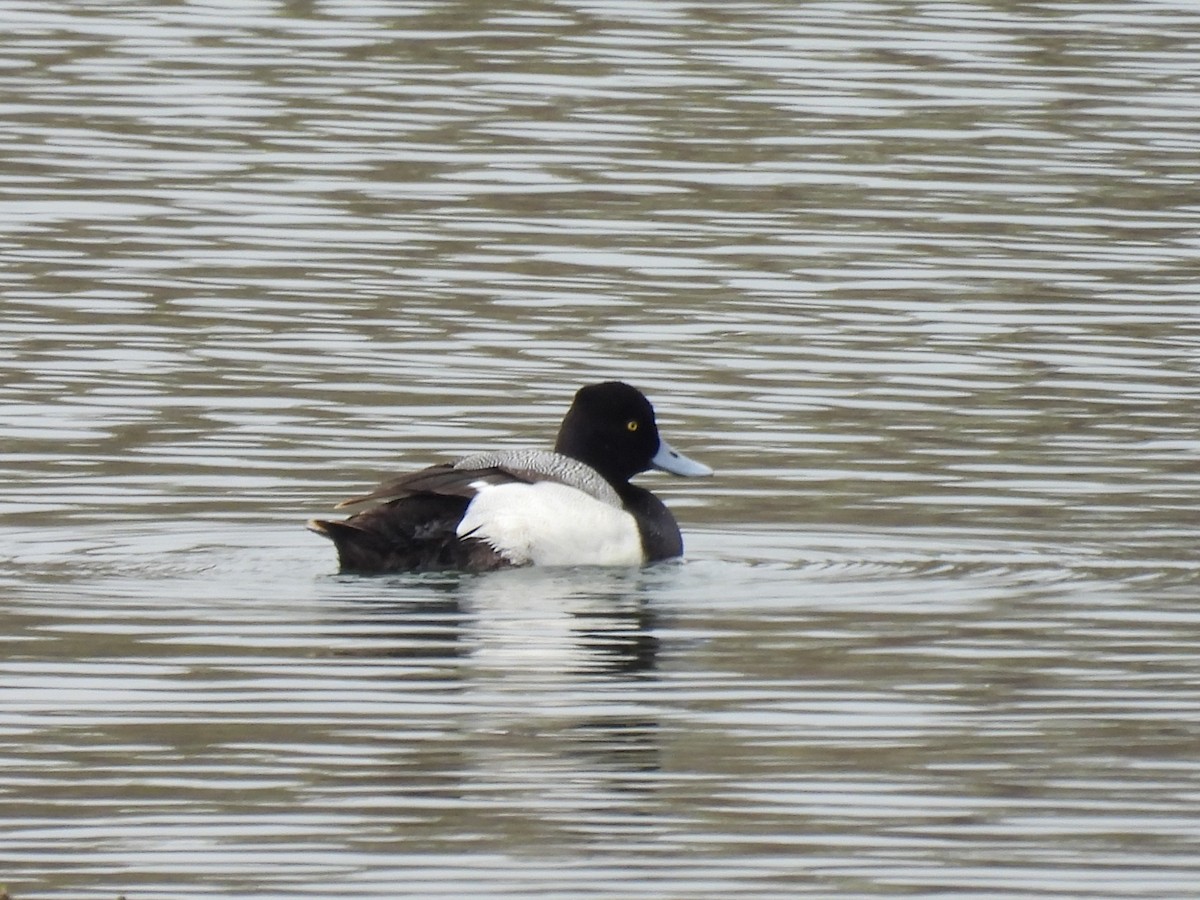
point(551, 524)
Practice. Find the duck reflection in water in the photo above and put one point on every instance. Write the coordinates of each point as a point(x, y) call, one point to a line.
point(558, 621)
point(505, 674)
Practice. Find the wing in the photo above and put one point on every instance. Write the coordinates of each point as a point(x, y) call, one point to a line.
point(532, 466)
point(444, 480)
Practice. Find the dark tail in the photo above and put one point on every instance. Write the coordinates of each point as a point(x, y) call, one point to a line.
point(416, 534)
point(358, 550)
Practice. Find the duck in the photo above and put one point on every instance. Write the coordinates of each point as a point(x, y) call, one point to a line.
point(573, 506)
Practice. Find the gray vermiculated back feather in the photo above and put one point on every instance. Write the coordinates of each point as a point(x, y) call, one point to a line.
point(550, 465)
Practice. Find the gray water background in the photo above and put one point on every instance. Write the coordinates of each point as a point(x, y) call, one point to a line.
point(918, 279)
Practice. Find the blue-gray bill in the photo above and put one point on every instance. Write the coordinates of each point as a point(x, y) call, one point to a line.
point(671, 460)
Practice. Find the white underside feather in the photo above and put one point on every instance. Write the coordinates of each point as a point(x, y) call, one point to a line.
point(551, 524)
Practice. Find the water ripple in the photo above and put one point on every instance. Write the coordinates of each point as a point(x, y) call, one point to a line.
point(916, 280)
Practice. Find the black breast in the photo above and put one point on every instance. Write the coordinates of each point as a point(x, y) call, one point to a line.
point(660, 532)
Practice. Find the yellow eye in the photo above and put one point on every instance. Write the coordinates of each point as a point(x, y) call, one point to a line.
point(632, 425)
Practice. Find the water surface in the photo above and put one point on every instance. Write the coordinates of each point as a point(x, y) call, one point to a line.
point(918, 280)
